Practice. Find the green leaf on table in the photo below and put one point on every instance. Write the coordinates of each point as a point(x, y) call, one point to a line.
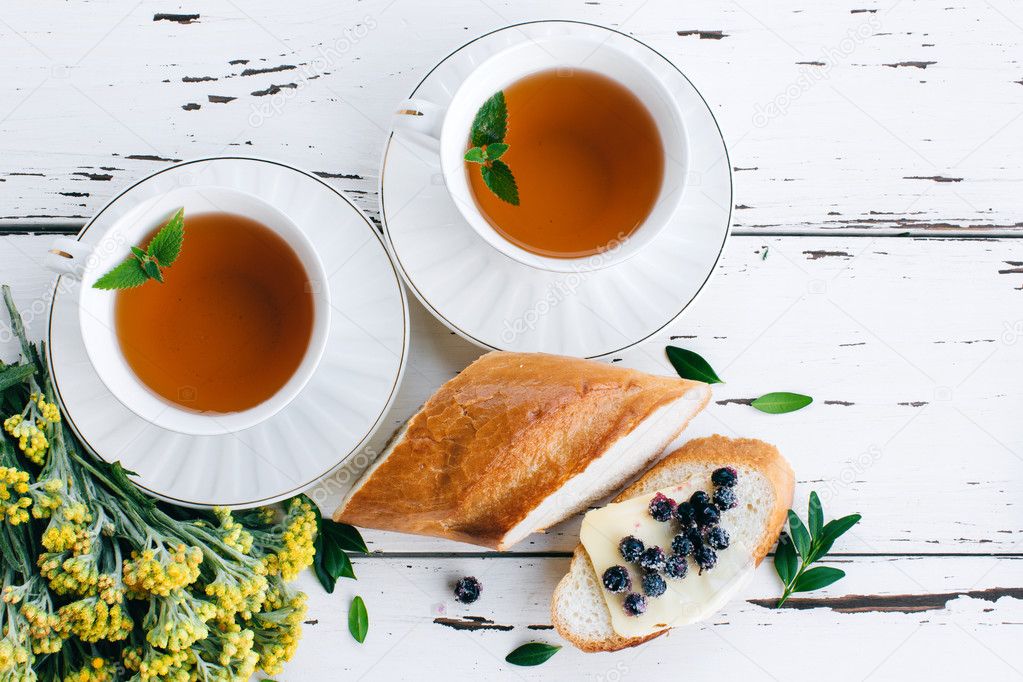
point(498, 177)
point(816, 578)
point(833, 530)
point(491, 122)
point(358, 620)
point(139, 253)
point(692, 366)
point(128, 275)
point(785, 561)
point(815, 516)
point(166, 245)
point(800, 536)
point(781, 402)
point(533, 653)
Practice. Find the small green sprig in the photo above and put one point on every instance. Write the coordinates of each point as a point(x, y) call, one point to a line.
point(143, 265)
point(811, 546)
point(488, 146)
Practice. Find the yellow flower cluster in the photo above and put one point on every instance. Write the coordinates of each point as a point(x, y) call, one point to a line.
point(47, 411)
point(160, 570)
point(237, 650)
point(31, 439)
point(237, 595)
point(157, 665)
point(178, 621)
point(233, 533)
point(92, 619)
point(279, 626)
point(72, 574)
point(67, 537)
point(298, 540)
point(96, 670)
point(15, 659)
point(14, 497)
point(46, 497)
point(42, 629)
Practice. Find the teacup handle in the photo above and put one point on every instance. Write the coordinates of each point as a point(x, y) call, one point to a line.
point(419, 116)
point(67, 256)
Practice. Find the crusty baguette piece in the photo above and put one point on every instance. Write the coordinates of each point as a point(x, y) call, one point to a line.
point(518, 442)
point(578, 609)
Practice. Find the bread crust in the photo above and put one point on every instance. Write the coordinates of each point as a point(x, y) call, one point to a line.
point(495, 441)
point(711, 452)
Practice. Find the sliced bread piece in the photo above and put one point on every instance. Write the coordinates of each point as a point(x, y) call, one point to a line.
point(518, 442)
point(579, 610)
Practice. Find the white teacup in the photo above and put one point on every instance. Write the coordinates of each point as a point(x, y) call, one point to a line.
point(450, 126)
point(69, 256)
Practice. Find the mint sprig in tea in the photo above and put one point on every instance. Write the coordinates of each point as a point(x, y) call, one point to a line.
point(229, 325)
point(570, 162)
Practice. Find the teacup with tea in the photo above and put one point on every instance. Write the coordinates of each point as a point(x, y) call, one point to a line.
point(563, 153)
point(222, 336)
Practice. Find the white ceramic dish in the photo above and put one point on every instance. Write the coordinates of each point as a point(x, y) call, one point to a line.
point(500, 303)
point(328, 419)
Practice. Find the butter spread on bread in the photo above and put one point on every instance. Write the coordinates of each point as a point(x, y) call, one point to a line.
point(580, 611)
point(686, 600)
point(517, 442)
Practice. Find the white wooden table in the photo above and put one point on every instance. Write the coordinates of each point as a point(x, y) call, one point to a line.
point(876, 263)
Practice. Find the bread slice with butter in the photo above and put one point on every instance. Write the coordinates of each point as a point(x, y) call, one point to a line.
point(518, 442)
point(592, 619)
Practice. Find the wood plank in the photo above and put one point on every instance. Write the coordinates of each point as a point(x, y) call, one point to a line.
point(916, 379)
point(889, 619)
point(840, 115)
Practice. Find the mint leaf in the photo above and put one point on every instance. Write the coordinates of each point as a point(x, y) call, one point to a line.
point(491, 122)
point(476, 155)
point(816, 578)
point(501, 182)
point(166, 245)
point(690, 365)
point(533, 653)
point(781, 402)
point(127, 275)
point(496, 150)
point(152, 270)
point(358, 620)
point(139, 253)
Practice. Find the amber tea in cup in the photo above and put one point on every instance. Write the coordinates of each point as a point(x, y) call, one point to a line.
point(230, 324)
point(588, 161)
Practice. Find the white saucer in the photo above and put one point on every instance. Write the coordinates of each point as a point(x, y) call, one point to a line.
point(338, 410)
point(499, 303)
